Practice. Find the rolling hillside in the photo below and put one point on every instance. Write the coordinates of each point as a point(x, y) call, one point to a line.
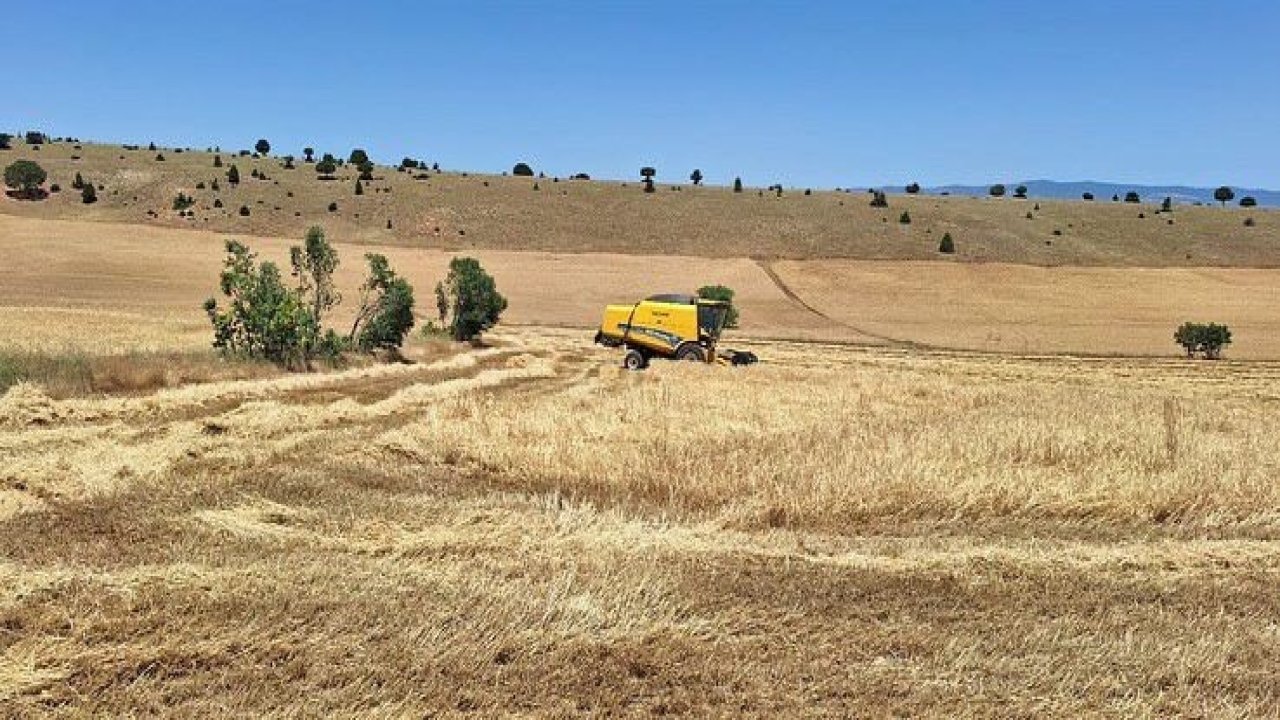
point(448, 210)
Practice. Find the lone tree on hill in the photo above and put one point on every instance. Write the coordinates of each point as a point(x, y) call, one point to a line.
point(737, 184)
point(307, 154)
point(1020, 192)
point(327, 167)
point(695, 177)
point(996, 190)
point(233, 175)
point(522, 170)
point(25, 177)
point(262, 146)
point(1224, 195)
point(724, 294)
point(1248, 201)
point(468, 299)
point(913, 188)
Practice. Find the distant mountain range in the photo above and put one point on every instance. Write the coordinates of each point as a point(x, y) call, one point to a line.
point(1182, 194)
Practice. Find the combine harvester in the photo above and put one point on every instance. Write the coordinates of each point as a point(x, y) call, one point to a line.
point(676, 327)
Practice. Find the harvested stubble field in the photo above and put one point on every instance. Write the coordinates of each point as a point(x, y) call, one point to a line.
point(526, 528)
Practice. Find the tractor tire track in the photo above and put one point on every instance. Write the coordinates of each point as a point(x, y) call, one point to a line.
point(781, 284)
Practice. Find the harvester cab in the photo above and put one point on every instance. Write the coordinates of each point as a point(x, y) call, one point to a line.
point(672, 326)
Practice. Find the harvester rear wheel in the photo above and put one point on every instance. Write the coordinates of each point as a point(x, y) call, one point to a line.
point(693, 353)
point(634, 360)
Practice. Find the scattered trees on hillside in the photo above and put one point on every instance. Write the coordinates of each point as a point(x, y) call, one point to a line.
point(468, 300)
point(262, 147)
point(723, 294)
point(1208, 339)
point(1224, 195)
point(996, 190)
point(1248, 201)
point(1132, 197)
point(695, 177)
point(25, 177)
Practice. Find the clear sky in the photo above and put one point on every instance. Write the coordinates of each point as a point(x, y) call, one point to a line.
point(808, 94)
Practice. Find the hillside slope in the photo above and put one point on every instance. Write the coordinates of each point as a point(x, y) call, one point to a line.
point(459, 210)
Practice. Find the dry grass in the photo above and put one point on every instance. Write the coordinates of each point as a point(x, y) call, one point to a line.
point(499, 213)
point(75, 373)
point(529, 530)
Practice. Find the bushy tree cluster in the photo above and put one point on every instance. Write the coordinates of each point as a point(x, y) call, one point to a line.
point(1208, 339)
point(25, 177)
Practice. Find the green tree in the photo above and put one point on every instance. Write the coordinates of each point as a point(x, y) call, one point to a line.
point(217, 161)
point(5, 141)
point(358, 157)
point(88, 194)
point(77, 182)
point(288, 162)
point(1086, 196)
point(695, 177)
point(1167, 204)
point(233, 175)
point(724, 294)
point(262, 316)
point(913, 188)
point(947, 246)
point(1020, 192)
point(262, 147)
point(1248, 201)
point(359, 187)
point(1224, 195)
point(1208, 339)
point(308, 154)
point(737, 184)
point(366, 170)
point(522, 170)
point(327, 167)
point(996, 190)
point(313, 264)
point(905, 218)
point(879, 199)
point(468, 299)
point(385, 314)
point(1132, 197)
point(25, 177)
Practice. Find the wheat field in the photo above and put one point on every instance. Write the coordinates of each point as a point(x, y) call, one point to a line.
point(528, 529)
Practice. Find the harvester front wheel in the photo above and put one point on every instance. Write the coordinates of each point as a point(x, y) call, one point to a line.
point(693, 353)
point(634, 360)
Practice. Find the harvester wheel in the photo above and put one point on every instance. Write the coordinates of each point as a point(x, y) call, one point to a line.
point(692, 352)
point(634, 360)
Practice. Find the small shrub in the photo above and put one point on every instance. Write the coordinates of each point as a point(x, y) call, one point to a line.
point(200, 185)
point(333, 207)
point(1248, 222)
point(904, 218)
point(217, 161)
point(88, 195)
point(244, 211)
point(183, 201)
point(878, 200)
point(159, 157)
point(1132, 197)
point(947, 246)
point(359, 187)
point(217, 203)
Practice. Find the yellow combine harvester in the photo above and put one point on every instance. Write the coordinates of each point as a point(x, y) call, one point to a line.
point(679, 327)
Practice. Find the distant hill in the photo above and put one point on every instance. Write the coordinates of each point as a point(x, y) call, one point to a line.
point(459, 211)
point(1055, 190)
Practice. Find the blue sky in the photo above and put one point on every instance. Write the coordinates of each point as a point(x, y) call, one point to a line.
point(807, 94)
